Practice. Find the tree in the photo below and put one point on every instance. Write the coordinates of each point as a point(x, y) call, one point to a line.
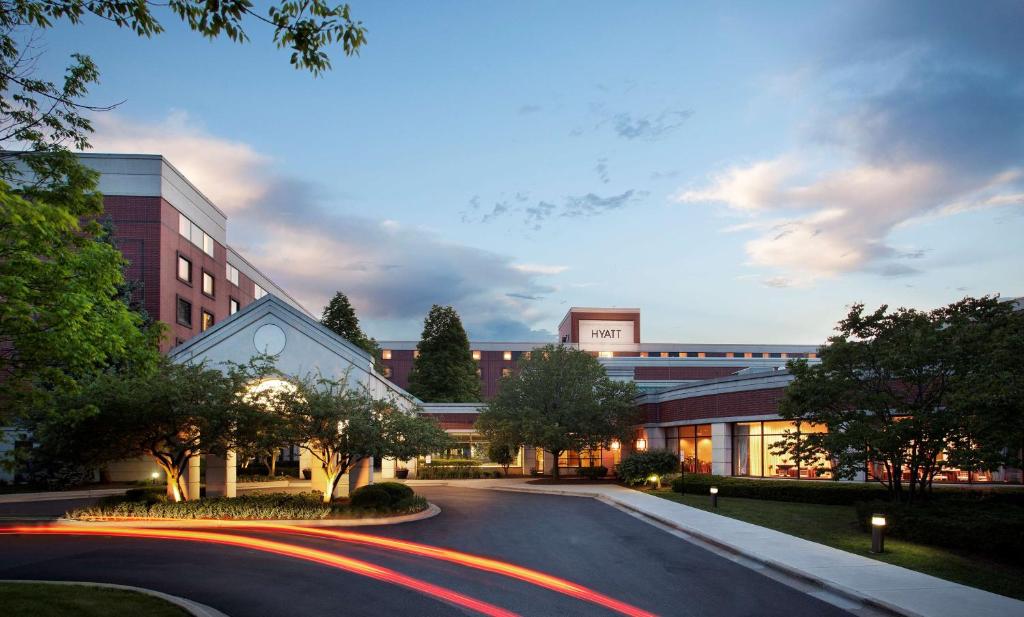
point(444, 371)
point(899, 389)
point(340, 425)
point(562, 400)
point(340, 317)
point(62, 317)
point(502, 454)
point(169, 414)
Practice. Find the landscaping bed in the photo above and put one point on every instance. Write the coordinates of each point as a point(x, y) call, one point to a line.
point(49, 600)
point(376, 500)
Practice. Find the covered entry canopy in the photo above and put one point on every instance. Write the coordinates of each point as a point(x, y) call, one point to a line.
point(303, 348)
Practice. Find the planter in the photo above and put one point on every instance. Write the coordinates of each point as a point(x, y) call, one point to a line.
point(401, 474)
point(307, 474)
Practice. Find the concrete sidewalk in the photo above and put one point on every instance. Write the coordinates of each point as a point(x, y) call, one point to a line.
point(874, 582)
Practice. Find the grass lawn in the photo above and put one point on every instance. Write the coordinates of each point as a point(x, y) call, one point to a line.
point(43, 600)
point(836, 526)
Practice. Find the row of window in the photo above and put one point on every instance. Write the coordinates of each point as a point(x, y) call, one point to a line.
point(505, 355)
point(194, 234)
point(209, 283)
point(703, 354)
point(206, 319)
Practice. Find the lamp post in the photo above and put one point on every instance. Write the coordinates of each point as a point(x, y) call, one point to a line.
point(877, 533)
point(714, 497)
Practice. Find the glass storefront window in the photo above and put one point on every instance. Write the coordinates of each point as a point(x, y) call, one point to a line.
point(695, 448)
point(753, 451)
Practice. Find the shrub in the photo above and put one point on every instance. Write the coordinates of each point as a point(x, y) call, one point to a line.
point(592, 473)
point(638, 467)
point(990, 527)
point(811, 491)
point(396, 490)
point(371, 497)
point(449, 469)
point(266, 506)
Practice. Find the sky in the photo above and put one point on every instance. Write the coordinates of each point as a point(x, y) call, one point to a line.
point(741, 172)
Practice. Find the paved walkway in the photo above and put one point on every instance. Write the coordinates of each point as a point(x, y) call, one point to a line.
point(891, 587)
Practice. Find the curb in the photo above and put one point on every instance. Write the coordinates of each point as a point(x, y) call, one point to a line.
point(61, 495)
point(191, 607)
point(431, 511)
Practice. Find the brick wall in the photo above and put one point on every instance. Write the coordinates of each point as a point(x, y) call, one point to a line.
point(726, 405)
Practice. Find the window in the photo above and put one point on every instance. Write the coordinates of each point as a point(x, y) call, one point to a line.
point(232, 274)
point(386, 354)
point(783, 355)
point(232, 306)
point(184, 226)
point(729, 354)
point(195, 235)
point(184, 270)
point(664, 354)
point(476, 355)
point(643, 354)
point(505, 372)
point(605, 354)
point(700, 354)
point(207, 244)
point(755, 453)
point(479, 373)
point(695, 448)
point(207, 283)
point(812, 355)
point(184, 312)
point(258, 292)
point(207, 321)
point(416, 353)
point(387, 371)
point(506, 355)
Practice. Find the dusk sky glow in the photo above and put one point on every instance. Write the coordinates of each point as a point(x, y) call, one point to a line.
point(741, 172)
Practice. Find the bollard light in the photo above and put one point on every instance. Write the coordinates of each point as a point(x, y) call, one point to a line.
point(877, 533)
point(714, 497)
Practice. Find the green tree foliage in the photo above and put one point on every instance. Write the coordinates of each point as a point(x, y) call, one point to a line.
point(502, 453)
point(641, 467)
point(445, 371)
point(169, 414)
point(340, 425)
point(560, 399)
point(62, 317)
point(339, 316)
point(901, 388)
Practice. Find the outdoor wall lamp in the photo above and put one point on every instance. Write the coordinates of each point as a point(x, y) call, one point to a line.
point(877, 533)
point(615, 445)
point(641, 444)
point(714, 497)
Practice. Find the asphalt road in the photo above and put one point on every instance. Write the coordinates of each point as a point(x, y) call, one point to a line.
point(579, 539)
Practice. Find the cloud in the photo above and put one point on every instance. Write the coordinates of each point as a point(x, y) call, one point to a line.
point(540, 268)
point(649, 127)
point(534, 216)
point(602, 170)
point(593, 205)
point(525, 110)
point(923, 118)
point(288, 228)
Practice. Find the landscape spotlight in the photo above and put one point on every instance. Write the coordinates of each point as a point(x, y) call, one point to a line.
point(714, 496)
point(877, 533)
point(155, 475)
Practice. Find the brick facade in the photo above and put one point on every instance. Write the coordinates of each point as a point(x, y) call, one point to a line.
point(712, 406)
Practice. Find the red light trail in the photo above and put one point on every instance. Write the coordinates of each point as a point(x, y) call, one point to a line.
point(269, 546)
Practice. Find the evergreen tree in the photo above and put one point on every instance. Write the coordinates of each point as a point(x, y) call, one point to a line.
point(444, 371)
point(339, 316)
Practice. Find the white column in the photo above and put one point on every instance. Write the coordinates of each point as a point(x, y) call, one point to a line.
point(361, 474)
point(411, 465)
point(549, 462)
point(529, 459)
point(387, 468)
point(306, 461)
point(721, 449)
point(192, 477)
point(220, 475)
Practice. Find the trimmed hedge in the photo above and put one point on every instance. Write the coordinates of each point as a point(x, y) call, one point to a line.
point(454, 472)
point(812, 491)
point(396, 490)
point(592, 473)
point(989, 527)
point(149, 503)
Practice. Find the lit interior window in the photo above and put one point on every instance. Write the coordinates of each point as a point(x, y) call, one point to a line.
point(783, 355)
point(664, 354)
point(605, 354)
point(748, 355)
point(729, 354)
point(476, 355)
point(812, 355)
point(386, 354)
point(232, 273)
point(416, 353)
point(643, 354)
point(507, 355)
point(700, 354)
point(207, 322)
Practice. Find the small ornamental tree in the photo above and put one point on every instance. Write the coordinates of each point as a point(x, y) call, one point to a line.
point(340, 425)
point(444, 371)
point(561, 399)
point(339, 316)
point(641, 467)
point(502, 454)
point(897, 389)
point(169, 414)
